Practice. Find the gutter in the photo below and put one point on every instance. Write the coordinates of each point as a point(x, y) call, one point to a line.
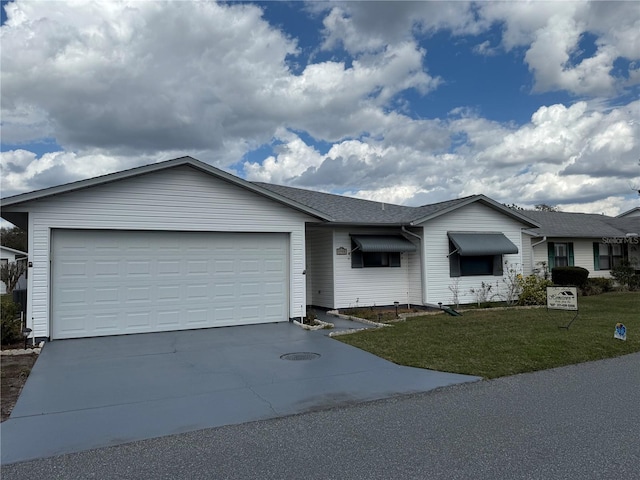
point(423, 280)
point(544, 239)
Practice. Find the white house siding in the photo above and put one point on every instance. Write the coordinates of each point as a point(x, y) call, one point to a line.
point(372, 286)
point(472, 218)
point(582, 254)
point(527, 255)
point(320, 254)
point(415, 269)
point(180, 198)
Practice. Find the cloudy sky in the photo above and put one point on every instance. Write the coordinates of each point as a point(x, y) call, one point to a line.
point(402, 102)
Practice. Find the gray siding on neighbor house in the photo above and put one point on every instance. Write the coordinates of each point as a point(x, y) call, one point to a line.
point(373, 286)
point(474, 217)
point(320, 253)
point(180, 198)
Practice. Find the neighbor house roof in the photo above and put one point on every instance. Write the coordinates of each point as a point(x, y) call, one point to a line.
point(633, 212)
point(14, 251)
point(581, 225)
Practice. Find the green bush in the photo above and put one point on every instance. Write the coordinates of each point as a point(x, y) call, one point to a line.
point(10, 327)
point(576, 276)
point(606, 284)
point(596, 286)
point(625, 275)
point(533, 290)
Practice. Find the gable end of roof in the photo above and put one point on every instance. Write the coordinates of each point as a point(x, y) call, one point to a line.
point(154, 167)
point(454, 205)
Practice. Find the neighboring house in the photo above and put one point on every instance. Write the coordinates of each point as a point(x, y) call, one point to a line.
point(182, 245)
point(595, 242)
point(11, 255)
point(634, 212)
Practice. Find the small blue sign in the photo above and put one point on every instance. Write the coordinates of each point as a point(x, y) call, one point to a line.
point(620, 332)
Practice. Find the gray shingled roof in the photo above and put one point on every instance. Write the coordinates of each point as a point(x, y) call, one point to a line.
point(358, 211)
point(581, 225)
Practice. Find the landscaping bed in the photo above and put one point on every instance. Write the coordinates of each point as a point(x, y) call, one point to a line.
point(385, 314)
point(14, 370)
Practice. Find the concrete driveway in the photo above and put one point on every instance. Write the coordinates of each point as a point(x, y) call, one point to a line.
point(97, 392)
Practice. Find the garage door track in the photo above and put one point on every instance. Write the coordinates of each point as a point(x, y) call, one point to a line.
point(97, 392)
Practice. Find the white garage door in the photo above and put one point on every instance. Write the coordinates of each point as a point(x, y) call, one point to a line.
point(119, 282)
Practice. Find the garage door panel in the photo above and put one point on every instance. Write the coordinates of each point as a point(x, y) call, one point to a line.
point(111, 282)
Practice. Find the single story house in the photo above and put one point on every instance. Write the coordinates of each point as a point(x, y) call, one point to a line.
point(183, 245)
point(11, 255)
point(595, 242)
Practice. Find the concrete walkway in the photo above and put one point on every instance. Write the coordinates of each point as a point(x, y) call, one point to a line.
point(98, 392)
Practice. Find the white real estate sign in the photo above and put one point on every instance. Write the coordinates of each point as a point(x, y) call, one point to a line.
point(562, 298)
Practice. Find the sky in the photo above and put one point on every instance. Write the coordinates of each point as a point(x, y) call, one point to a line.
point(401, 102)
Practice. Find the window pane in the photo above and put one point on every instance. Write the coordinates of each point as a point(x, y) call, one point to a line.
point(375, 259)
point(603, 249)
point(380, 259)
point(605, 264)
point(561, 249)
point(482, 265)
point(616, 250)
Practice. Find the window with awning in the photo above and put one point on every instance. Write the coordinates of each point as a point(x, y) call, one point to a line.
point(478, 253)
point(378, 250)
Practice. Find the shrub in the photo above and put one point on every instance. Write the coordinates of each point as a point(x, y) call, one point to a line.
point(10, 327)
point(576, 276)
point(596, 286)
point(533, 290)
point(625, 275)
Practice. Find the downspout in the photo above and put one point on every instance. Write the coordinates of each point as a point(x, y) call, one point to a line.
point(423, 279)
point(533, 255)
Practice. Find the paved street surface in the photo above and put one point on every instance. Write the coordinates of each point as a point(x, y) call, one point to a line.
point(578, 422)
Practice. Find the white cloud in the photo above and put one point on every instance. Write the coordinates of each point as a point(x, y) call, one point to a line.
point(551, 32)
point(134, 78)
point(141, 75)
point(485, 49)
point(369, 26)
point(548, 160)
point(118, 84)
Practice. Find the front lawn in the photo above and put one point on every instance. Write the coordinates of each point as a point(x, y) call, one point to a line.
point(495, 343)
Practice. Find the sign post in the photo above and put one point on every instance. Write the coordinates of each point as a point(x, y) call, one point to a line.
point(563, 298)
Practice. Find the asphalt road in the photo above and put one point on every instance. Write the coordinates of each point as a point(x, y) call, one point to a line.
point(578, 422)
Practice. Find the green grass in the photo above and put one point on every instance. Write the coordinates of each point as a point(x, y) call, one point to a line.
point(493, 344)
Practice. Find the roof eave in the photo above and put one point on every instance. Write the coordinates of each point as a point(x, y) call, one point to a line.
point(154, 167)
point(13, 250)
